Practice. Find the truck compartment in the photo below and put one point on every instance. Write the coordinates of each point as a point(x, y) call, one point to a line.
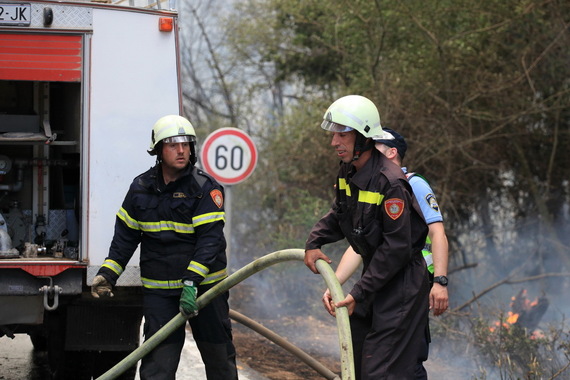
point(40, 170)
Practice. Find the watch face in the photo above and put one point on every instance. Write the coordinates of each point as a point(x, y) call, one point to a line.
point(442, 280)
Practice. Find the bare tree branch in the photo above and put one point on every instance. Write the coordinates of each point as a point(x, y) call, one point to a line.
point(508, 280)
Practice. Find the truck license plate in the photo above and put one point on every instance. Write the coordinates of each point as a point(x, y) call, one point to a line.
point(15, 14)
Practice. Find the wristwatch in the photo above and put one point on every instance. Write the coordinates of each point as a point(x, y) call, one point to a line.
point(442, 280)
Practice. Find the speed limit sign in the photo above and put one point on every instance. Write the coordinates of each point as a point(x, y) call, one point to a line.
point(229, 155)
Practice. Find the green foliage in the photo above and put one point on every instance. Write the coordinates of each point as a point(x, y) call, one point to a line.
point(300, 211)
point(479, 89)
point(292, 186)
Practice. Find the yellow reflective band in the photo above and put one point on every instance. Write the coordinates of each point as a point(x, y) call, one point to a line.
point(198, 268)
point(113, 265)
point(177, 284)
point(428, 257)
point(161, 284)
point(163, 225)
point(130, 222)
point(370, 197)
point(167, 225)
point(343, 186)
point(214, 277)
point(207, 218)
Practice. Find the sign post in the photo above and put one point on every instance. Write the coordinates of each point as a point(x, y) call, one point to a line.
point(230, 156)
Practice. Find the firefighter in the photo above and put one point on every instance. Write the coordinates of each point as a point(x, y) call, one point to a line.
point(394, 146)
point(375, 210)
point(176, 213)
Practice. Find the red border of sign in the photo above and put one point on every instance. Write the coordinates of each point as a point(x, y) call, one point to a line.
point(223, 132)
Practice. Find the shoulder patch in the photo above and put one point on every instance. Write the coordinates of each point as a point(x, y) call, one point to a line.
point(217, 197)
point(394, 207)
point(432, 202)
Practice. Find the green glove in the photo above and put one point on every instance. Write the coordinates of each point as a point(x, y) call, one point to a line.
point(101, 287)
point(188, 305)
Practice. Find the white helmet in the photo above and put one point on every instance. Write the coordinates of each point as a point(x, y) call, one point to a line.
point(171, 128)
point(353, 112)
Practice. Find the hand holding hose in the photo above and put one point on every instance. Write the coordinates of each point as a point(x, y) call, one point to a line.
point(329, 303)
point(311, 257)
point(349, 302)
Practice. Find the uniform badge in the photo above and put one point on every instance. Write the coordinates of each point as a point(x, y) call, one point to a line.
point(432, 202)
point(217, 197)
point(394, 207)
point(178, 195)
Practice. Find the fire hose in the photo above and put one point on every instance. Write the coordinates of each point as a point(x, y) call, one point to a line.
point(272, 336)
point(343, 326)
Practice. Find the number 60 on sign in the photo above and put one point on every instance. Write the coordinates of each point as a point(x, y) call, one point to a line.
point(229, 155)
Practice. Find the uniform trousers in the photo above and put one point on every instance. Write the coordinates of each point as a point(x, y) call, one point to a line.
point(211, 330)
point(390, 334)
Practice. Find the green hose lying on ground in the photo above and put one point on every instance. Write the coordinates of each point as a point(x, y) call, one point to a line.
point(346, 354)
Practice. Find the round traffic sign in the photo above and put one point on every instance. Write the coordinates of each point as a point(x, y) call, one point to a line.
point(229, 155)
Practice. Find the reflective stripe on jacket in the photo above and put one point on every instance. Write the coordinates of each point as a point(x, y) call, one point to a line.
point(179, 227)
point(428, 256)
point(387, 243)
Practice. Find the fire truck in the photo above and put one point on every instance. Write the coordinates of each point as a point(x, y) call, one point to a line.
point(81, 85)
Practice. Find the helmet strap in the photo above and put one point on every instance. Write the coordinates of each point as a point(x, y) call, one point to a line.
point(158, 150)
point(193, 157)
point(361, 145)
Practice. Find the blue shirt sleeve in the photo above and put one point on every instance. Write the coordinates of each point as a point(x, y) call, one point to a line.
point(426, 199)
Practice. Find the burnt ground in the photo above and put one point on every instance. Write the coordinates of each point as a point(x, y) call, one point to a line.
point(274, 362)
point(311, 329)
point(316, 335)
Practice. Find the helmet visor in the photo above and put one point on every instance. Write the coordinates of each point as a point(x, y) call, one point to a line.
point(334, 127)
point(179, 139)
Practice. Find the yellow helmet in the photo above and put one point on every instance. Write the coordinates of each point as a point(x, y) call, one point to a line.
point(171, 128)
point(353, 112)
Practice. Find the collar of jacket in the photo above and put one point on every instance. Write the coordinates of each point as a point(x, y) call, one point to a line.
point(156, 182)
point(361, 178)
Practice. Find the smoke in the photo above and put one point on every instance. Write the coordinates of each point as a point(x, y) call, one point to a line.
point(489, 264)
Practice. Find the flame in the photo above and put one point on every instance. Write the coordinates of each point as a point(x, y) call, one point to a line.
point(498, 324)
point(512, 318)
point(520, 305)
point(534, 303)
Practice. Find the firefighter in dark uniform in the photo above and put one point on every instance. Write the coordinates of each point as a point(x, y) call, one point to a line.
point(176, 213)
point(375, 210)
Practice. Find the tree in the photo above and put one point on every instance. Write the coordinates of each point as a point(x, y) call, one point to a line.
point(479, 89)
